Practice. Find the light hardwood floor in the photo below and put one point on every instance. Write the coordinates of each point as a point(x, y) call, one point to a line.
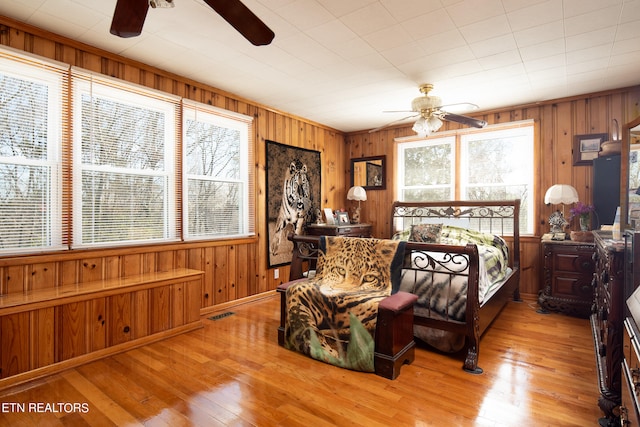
point(538, 370)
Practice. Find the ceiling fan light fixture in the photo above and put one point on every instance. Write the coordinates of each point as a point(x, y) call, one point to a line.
point(161, 3)
point(420, 127)
point(426, 126)
point(434, 123)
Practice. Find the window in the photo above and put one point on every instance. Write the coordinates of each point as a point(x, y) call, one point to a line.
point(31, 112)
point(427, 169)
point(491, 165)
point(124, 147)
point(218, 190)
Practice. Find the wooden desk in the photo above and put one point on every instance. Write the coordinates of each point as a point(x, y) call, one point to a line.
point(347, 230)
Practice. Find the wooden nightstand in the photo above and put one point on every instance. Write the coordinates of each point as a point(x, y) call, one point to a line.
point(349, 230)
point(568, 275)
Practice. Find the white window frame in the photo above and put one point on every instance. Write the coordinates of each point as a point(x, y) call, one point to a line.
point(226, 119)
point(50, 74)
point(402, 188)
point(99, 86)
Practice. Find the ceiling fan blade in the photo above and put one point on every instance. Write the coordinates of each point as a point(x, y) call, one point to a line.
point(243, 20)
point(393, 123)
point(128, 18)
point(459, 107)
point(465, 120)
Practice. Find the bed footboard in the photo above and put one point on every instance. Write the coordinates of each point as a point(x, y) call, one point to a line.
point(446, 280)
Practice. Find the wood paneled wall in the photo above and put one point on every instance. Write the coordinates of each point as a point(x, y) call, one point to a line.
point(233, 269)
point(238, 269)
point(556, 121)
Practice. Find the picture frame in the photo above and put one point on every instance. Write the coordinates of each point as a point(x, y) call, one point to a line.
point(343, 218)
point(328, 214)
point(587, 147)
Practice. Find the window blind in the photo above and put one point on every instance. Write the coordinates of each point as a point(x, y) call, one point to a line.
point(124, 151)
point(32, 107)
point(218, 183)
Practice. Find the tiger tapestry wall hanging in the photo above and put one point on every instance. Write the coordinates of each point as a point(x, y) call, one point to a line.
point(293, 196)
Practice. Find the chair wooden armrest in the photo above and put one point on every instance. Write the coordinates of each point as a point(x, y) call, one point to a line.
point(282, 288)
point(394, 344)
point(304, 256)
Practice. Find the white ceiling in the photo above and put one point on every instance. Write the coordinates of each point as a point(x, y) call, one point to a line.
point(343, 62)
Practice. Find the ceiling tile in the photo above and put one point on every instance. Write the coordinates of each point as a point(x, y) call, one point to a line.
point(543, 50)
point(487, 29)
point(468, 12)
point(493, 46)
point(590, 39)
point(601, 18)
point(429, 24)
point(535, 15)
point(368, 19)
point(572, 8)
point(305, 14)
point(388, 38)
point(553, 30)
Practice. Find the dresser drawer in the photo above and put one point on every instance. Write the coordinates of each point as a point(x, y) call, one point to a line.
point(630, 374)
point(577, 262)
point(629, 415)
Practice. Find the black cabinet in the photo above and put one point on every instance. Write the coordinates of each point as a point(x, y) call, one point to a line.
point(606, 190)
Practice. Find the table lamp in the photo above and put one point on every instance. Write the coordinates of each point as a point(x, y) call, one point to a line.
point(356, 193)
point(559, 194)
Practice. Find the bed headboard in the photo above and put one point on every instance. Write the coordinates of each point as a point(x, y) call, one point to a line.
point(500, 217)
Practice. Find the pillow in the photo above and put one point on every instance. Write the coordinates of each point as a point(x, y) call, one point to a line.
point(402, 235)
point(426, 233)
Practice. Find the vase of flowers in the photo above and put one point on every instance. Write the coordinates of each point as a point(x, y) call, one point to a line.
point(583, 212)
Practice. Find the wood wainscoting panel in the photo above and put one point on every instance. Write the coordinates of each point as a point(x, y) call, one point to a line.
point(42, 324)
point(119, 320)
point(97, 320)
point(14, 344)
point(159, 309)
point(71, 330)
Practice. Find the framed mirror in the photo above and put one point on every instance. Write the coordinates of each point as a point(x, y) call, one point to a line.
point(630, 175)
point(369, 172)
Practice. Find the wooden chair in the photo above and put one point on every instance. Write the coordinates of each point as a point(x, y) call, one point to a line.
point(394, 344)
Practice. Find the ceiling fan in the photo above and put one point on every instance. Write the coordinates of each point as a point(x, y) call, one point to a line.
point(129, 16)
point(431, 113)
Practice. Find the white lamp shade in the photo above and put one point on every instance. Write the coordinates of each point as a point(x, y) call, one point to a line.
point(560, 193)
point(357, 193)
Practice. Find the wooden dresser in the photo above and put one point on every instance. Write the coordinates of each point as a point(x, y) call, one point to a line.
point(568, 275)
point(607, 322)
